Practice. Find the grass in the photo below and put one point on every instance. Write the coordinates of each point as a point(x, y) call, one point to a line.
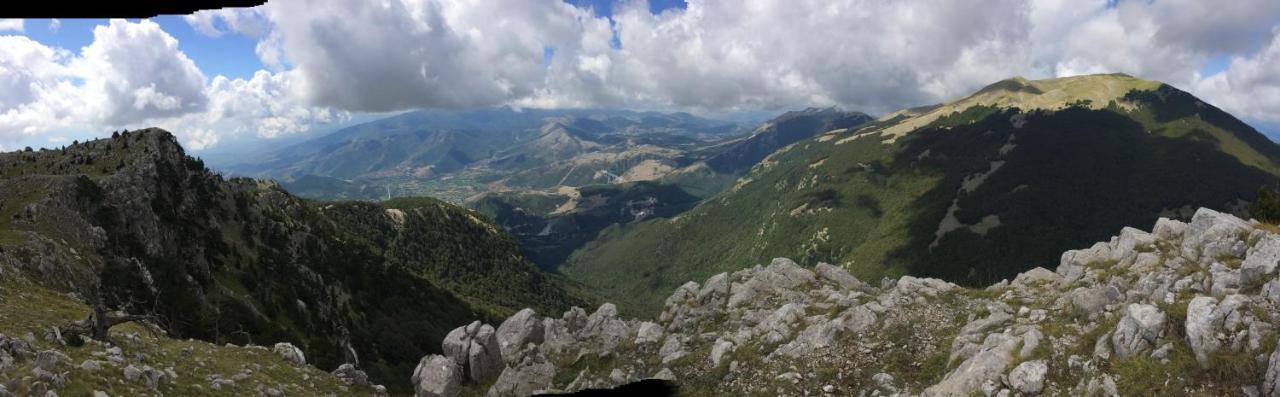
point(16, 195)
point(1225, 374)
point(26, 307)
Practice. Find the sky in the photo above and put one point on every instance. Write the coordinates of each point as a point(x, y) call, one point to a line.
point(270, 74)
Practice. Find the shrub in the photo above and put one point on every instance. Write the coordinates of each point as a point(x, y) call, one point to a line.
point(1266, 208)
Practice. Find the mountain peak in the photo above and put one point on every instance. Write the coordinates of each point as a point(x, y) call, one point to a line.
point(1094, 91)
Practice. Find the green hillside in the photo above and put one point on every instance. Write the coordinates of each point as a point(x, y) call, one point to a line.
point(972, 191)
point(134, 224)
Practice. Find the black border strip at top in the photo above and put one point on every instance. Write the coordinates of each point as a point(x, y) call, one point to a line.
point(115, 8)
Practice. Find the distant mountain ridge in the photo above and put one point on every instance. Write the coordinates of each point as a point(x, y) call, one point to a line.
point(971, 191)
point(781, 131)
point(457, 154)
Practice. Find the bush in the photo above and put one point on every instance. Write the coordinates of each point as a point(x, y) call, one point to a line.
point(1266, 208)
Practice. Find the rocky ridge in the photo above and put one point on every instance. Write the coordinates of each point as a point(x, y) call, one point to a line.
point(1185, 309)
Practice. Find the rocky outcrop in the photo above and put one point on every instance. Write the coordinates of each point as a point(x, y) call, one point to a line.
point(476, 350)
point(290, 353)
point(1204, 293)
point(517, 332)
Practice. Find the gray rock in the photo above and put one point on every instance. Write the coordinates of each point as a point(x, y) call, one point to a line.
point(132, 373)
point(1168, 229)
point(715, 290)
point(575, 319)
point(994, 356)
point(1207, 318)
point(1035, 277)
point(1138, 331)
point(150, 377)
point(532, 374)
point(348, 374)
point(1212, 235)
point(1271, 381)
point(781, 275)
point(930, 287)
point(858, 319)
point(1202, 327)
point(1030, 341)
point(520, 329)
point(437, 376)
point(290, 353)
point(777, 327)
point(484, 357)
point(47, 360)
point(649, 332)
point(617, 376)
point(1260, 261)
point(719, 349)
point(1028, 377)
point(672, 348)
point(1102, 386)
point(1223, 280)
point(1090, 302)
point(665, 374)
point(556, 336)
point(839, 277)
point(456, 343)
point(1073, 264)
point(91, 365)
point(817, 336)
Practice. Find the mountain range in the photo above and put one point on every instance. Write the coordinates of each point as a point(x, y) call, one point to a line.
point(456, 155)
point(972, 191)
point(820, 252)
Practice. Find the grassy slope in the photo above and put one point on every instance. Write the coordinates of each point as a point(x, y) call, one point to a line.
point(263, 264)
point(29, 308)
point(1075, 176)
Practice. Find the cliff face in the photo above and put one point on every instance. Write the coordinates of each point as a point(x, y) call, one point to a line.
point(1188, 308)
point(135, 224)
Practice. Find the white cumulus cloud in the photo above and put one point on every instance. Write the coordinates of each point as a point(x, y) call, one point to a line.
point(16, 25)
point(328, 59)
